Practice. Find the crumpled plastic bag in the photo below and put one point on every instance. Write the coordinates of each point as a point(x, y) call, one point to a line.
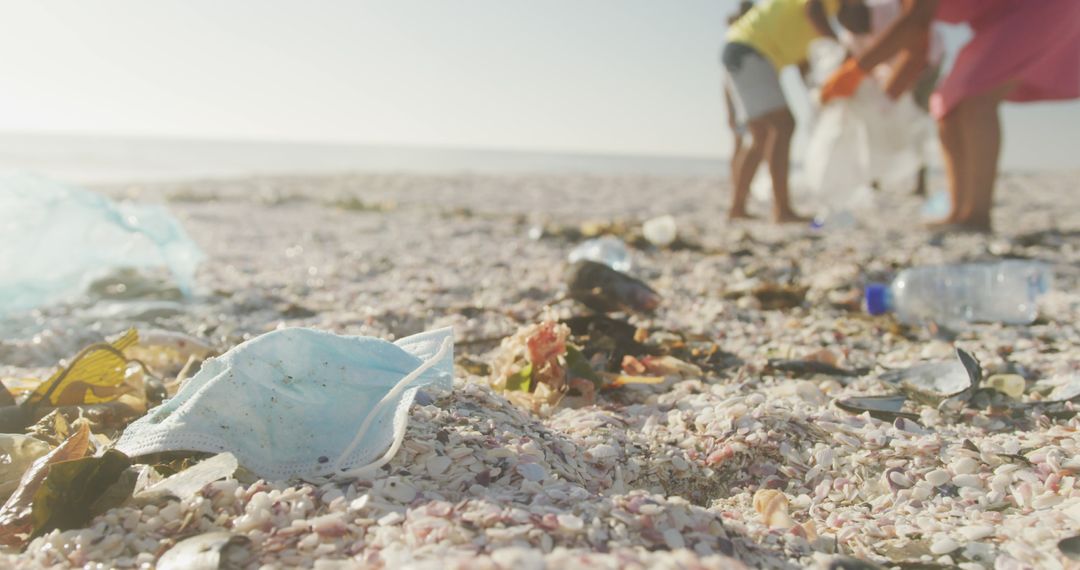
point(56, 239)
point(863, 139)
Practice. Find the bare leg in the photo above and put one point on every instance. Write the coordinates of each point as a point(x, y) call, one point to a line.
point(952, 144)
point(778, 154)
point(981, 134)
point(736, 156)
point(746, 165)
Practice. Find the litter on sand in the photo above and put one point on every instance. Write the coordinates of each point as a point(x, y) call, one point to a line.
point(725, 405)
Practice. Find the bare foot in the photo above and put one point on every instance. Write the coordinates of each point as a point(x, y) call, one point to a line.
point(972, 227)
point(939, 225)
point(942, 224)
point(960, 227)
point(740, 215)
point(790, 217)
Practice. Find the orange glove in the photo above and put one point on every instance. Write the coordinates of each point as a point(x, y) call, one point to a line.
point(843, 82)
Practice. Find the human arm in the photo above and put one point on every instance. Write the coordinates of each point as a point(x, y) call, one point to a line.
point(908, 33)
point(909, 67)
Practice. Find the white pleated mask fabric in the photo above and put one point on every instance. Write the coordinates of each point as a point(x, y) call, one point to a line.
point(300, 403)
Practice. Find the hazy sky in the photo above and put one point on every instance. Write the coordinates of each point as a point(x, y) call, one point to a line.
point(607, 76)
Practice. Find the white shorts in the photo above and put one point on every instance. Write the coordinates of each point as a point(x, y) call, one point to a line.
point(754, 82)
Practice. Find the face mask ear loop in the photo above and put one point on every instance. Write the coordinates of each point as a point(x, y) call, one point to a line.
point(402, 384)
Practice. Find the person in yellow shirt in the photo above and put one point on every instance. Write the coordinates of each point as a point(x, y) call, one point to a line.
point(771, 36)
point(738, 130)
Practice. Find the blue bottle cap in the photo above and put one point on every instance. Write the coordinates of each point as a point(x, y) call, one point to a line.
point(877, 298)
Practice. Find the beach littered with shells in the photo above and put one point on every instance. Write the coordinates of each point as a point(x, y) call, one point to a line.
point(663, 475)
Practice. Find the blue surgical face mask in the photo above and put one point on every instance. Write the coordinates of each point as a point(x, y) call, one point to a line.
point(300, 403)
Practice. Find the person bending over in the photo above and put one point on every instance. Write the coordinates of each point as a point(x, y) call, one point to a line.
point(1022, 51)
point(861, 33)
point(771, 36)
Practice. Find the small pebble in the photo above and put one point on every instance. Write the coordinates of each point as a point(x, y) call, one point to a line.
point(674, 539)
point(943, 544)
point(964, 466)
point(531, 471)
point(967, 481)
point(976, 532)
point(937, 477)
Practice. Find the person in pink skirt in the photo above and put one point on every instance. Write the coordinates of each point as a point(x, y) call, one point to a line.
point(1022, 50)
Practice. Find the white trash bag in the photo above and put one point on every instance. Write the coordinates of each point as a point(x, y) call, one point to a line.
point(862, 140)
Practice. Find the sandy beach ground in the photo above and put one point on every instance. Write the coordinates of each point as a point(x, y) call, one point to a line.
point(659, 476)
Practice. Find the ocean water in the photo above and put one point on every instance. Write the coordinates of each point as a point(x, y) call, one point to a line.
point(93, 160)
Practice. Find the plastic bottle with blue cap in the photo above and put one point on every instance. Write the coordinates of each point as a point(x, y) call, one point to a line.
point(1004, 292)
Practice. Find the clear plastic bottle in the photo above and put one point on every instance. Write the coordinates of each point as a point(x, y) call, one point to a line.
point(609, 250)
point(835, 220)
point(1004, 292)
point(841, 211)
